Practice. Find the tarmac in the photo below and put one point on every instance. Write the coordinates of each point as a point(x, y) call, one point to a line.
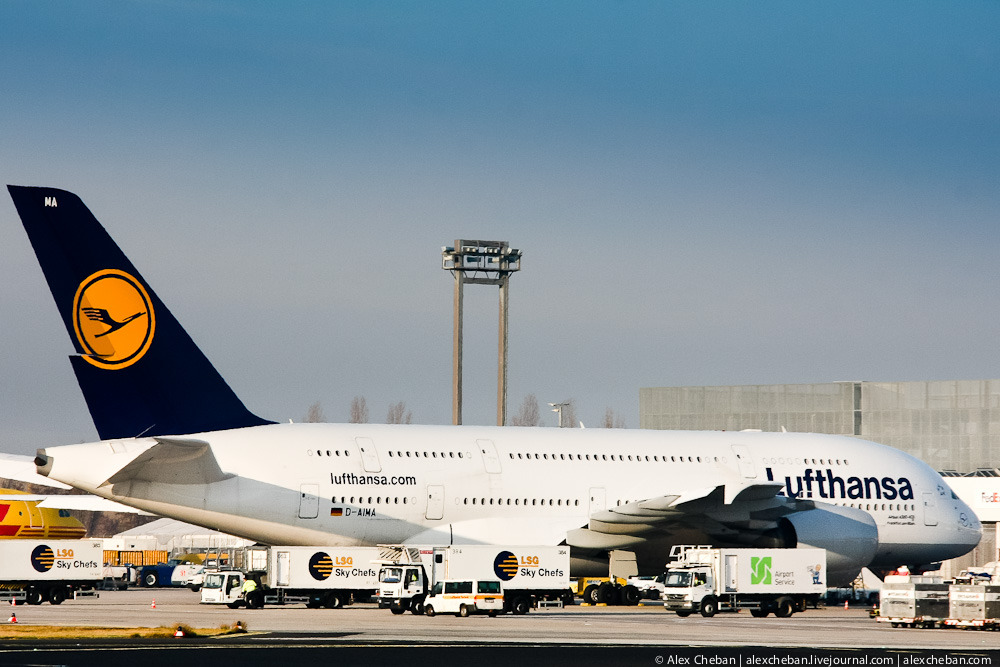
point(364, 635)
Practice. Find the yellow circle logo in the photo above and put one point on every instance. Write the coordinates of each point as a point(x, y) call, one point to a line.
point(113, 318)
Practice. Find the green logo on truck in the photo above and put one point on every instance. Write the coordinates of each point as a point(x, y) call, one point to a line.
point(760, 570)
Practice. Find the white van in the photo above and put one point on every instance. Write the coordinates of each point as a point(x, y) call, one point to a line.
point(465, 597)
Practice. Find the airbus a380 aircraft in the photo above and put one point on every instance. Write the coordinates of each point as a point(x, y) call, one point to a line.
point(176, 441)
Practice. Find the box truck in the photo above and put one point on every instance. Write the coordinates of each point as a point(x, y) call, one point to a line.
point(780, 581)
point(35, 571)
point(315, 576)
point(527, 574)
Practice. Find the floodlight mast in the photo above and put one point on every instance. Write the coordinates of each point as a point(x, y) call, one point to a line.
point(480, 263)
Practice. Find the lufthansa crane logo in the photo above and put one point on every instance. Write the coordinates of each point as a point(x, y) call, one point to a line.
point(320, 566)
point(42, 558)
point(113, 319)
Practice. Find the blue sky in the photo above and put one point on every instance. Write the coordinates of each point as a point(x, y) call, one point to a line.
point(704, 192)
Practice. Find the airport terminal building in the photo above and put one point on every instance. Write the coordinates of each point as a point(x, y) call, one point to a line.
point(953, 425)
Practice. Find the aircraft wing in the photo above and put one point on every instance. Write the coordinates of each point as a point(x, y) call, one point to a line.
point(22, 469)
point(723, 510)
point(173, 461)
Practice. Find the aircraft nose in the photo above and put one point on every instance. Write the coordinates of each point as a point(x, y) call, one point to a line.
point(969, 527)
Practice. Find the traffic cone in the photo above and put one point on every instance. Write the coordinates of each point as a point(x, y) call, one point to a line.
point(13, 602)
point(12, 619)
point(179, 633)
point(845, 605)
point(153, 606)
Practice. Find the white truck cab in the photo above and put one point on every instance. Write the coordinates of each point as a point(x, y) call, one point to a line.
point(223, 588)
point(464, 598)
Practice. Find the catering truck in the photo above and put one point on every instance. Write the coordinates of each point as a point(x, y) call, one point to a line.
point(779, 581)
point(527, 574)
point(315, 576)
point(35, 571)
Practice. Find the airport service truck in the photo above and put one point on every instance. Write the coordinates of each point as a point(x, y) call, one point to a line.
point(33, 571)
point(315, 576)
point(528, 575)
point(780, 581)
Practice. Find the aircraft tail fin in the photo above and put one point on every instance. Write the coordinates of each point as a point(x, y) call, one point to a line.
point(139, 370)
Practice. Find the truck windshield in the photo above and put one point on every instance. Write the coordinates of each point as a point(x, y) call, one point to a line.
point(677, 580)
point(390, 575)
point(213, 581)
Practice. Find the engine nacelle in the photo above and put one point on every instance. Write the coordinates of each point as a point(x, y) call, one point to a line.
point(849, 536)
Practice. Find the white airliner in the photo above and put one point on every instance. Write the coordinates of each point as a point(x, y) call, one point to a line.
point(176, 441)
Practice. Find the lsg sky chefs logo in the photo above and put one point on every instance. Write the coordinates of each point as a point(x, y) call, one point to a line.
point(113, 319)
point(505, 566)
point(42, 558)
point(760, 570)
point(320, 566)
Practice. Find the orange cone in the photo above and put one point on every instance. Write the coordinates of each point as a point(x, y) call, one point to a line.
point(845, 605)
point(13, 602)
point(179, 633)
point(153, 606)
point(12, 619)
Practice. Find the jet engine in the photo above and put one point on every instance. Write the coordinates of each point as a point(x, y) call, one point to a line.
point(849, 536)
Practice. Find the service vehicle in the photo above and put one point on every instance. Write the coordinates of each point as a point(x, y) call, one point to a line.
point(649, 587)
point(916, 601)
point(779, 581)
point(465, 597)
point(35, 571)
point(175, 572)
point(315, 576)
point(528, 575)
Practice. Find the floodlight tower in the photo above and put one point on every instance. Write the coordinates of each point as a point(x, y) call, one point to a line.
point(480, 263)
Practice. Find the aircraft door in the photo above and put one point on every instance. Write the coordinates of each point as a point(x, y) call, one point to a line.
point(435, 502)
point(930, 509)
point(308, 501)
point(745, 462)
point(490, 458)
point(369, 457)
point(598, 500)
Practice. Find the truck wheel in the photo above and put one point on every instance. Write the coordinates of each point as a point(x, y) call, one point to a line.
point(255, 599)
point(463, 611)
point(520, 606)
point(150, 579)
point(429, 610)
point(709, 607)
point(607, 593)
point(568, 599)
point(417, 606)
point(34, 596)
point(235, 605)
point(57, 595)
point(397, 609)
point(333, 601)
point(631, 595)
point(760, 612)
point(683, 613)
point(785, 607)
point(590, 594)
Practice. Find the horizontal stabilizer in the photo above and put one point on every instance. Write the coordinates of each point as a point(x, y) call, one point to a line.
point(22, 469)
point(173, 461)
point(78, 502)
